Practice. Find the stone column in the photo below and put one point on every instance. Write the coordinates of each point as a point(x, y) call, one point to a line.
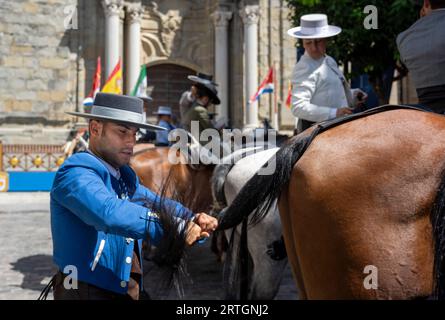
point(112, 9)
point(221, 20)
point(133, 45)
point(250, 16)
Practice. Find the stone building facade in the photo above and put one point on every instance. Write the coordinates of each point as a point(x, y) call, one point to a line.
point(49, 48)
point(39, 76)
point(48, 52)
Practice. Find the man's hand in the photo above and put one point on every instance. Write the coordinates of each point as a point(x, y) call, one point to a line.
point(194, 233)
point(359, 97)
point(343, 111)
point(206, 222)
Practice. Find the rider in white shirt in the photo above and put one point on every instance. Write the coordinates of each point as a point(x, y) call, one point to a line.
point(319, 89)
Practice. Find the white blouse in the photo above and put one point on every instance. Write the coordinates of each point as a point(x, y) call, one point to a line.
point(317, 89)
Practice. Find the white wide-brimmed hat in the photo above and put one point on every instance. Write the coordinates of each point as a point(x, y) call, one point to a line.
point(314, 26)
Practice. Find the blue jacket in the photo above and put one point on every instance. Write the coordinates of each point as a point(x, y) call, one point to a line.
point(87, 216)
point(162, 136)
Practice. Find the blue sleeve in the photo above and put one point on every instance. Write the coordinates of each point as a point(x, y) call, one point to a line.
point(162, 137)
point(81, 191)
point(173, 206)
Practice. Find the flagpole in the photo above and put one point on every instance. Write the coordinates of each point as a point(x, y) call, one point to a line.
point(275, 109)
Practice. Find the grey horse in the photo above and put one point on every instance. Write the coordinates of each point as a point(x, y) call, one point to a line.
point(266, 254)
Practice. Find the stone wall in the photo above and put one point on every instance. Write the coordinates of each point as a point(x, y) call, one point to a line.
point(46, 64)
point(37, 66)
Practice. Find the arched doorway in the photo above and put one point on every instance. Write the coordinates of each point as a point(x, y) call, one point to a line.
point(166, 83)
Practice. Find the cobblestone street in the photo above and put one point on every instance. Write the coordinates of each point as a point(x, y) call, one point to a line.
point(26, 254)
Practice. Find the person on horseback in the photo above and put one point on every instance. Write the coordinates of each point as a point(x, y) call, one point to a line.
point(188, 98)
point(422, 48)
point(205, 94)
point(164, 120)
point(99, 211)
point(319, 89)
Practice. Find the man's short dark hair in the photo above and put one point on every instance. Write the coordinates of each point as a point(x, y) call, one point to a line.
point(436, 4)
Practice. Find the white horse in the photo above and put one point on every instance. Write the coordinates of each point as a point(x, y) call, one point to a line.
point(267, 258)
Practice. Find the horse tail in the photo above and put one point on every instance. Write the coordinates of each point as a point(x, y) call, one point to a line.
point(438, 225)
point(260, 192)
point(169, 254)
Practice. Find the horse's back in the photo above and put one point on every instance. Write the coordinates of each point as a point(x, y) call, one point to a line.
point(151, 166)
point(361, 196)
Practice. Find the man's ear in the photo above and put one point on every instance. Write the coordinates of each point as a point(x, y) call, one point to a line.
point(95, 127)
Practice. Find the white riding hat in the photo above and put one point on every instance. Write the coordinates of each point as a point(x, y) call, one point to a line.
point(314, 26)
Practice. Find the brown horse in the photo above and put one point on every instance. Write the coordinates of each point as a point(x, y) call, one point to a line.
point(365, 193)
point(188, 184)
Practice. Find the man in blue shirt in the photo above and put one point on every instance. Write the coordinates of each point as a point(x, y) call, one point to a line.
point(165, 121)
point(97, 221)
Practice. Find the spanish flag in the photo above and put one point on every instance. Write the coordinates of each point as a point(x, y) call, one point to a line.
point(114, 81)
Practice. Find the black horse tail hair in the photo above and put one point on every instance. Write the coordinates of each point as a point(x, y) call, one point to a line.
point(438, 226)
point(261, 191)
point(170, 253)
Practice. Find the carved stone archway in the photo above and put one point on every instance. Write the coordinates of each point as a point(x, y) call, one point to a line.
point(166, 83)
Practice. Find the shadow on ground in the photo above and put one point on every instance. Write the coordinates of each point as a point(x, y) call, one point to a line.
point(35, 269)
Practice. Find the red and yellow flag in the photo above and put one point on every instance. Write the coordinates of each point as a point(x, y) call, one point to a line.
point(289, 96)
point(114, 81)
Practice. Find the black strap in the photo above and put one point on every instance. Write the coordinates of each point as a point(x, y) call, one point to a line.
point(387, 107)
point(47, 289)
point(329, 124)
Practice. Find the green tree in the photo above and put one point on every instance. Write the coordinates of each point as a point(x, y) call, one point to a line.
point(371, 51)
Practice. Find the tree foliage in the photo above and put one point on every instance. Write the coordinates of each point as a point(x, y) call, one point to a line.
point(370, 51)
